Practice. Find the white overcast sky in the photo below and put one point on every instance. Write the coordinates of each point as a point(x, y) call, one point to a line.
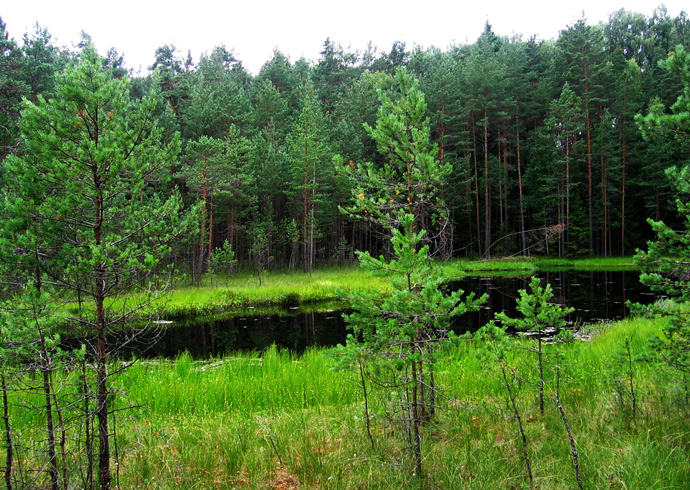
point(254, 28)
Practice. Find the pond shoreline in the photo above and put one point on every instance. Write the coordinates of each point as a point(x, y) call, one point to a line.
point(296, 289)
point(596, 295)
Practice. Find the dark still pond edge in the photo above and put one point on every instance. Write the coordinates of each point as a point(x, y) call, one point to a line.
point(595, 295)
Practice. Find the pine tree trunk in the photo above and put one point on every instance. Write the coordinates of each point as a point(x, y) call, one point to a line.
point(541, 371)
point(63, 438)
point(202, 235)
point(573, 448)
point(518, 417)
point(102, 396)
point(623, 157)
point(604, 196)
point(505, 222)
point(312, 219)
point(305, 234)
point(88, 442)
point(367, 416)
point(560, 197)
point(417, 440)
point(50, 427)
point(501, 181)
point(9, 445)
point(45, 365)
point(306, 257)
point(487, 199)
point(525, 250)
point(476, 186)
point(101, 342)
point(567, 196)
point(590, 205)
point(210, 227)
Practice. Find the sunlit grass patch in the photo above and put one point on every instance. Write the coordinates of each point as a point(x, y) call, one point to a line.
point(587, 263)
point(529, 265)
point(287, 289)
point(458, 267)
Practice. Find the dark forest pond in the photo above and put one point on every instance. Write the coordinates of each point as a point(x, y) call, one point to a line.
point(600, 295)
point(595, 295)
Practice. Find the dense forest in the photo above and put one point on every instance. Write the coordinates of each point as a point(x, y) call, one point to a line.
point(545, 154)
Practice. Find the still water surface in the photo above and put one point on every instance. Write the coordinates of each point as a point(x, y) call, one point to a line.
point(600, 295)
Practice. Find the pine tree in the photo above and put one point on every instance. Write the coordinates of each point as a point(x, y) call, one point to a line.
point(581, 59)
point(310, 158)
point(12, 89)
point(400, 334)
point(215, 170)
point(82, 211)
point(332, 75)
point(396, 336)
point(218, 97)
point(408, 181)
point(42, 63)
point(665, 262)
point(539, 315)
point(557, 182)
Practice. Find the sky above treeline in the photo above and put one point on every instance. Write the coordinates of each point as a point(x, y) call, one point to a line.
point(253, 29)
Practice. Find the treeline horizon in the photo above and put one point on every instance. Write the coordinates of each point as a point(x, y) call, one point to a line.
point(546, 153)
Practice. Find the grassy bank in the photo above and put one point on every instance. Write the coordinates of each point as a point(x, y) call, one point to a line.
point(298, 288)
point(281, 421)
point(277, 289)
point(528, 265)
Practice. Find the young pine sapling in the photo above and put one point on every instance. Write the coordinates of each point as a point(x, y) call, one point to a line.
point(538, 315)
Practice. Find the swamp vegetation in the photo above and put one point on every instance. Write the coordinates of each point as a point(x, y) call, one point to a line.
point(106, 208)
point(280, 420)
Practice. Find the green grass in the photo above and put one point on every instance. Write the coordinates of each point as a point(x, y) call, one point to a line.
point(275, 419)
point(219, 294)
point(498, 267)
point(262, 422)
point(242, 384)
point(591, 263)
point(529, 265)
point(277, 288)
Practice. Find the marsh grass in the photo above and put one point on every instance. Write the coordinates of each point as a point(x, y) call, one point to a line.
point(462, 267)
point(277, 420)
point(244, 383)
point(277, 289)
point(529, 265)
point(589, 263)
point(301, 290)
point(220, 294)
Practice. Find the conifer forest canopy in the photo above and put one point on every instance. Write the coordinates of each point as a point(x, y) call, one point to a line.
point(544, 150)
